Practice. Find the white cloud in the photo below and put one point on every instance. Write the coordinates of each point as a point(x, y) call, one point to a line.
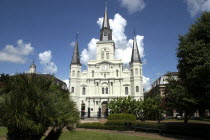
point(122, 44)
point(72, 43)
point(196, 6)
point(89, 54)
point(133, 5)
point(146, 83)
point(67, 82)
point(45, 60)
point(16, 54)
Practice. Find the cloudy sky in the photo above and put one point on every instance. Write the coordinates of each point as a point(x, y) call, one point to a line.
point(45, 31)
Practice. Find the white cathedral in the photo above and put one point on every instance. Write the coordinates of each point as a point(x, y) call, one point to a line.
point(105, 78)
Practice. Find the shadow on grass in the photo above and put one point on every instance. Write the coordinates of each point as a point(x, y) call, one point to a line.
point(54, 134)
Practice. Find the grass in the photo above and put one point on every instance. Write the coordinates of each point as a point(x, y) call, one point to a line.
point(88, 135)
point(3, 132)
point(175, 120)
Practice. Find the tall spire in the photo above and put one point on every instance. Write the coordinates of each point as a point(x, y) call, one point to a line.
point(76, 57)
point(106, 32)
point(135, 57)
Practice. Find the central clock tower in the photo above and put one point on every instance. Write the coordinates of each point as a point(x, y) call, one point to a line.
point(106, 46)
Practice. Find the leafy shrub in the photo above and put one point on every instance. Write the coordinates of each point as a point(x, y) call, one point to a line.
point(120, 123)
point(101, 126)
point(125, 117)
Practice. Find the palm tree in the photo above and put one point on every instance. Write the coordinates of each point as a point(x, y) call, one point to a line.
point(31, 103)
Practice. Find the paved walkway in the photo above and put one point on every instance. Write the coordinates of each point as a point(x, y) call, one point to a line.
point(142, 134)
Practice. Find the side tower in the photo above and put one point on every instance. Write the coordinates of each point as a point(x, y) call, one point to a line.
point(136, 78)
point(75, 73)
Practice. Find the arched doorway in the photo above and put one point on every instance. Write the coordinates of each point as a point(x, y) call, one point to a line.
point(82, 110)
point(104, 109)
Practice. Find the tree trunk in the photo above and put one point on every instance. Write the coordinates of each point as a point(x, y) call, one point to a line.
point(186, 118)
point(158, 116)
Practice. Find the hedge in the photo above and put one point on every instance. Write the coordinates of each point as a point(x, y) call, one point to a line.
point(120, 123)
point(125, 117)
point(100, 126)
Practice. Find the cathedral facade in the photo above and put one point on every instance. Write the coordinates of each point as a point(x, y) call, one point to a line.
point(105, 78)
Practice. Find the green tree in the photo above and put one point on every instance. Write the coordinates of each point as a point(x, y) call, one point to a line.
point(31, 103)
point(126, 105)
point(177, 97)
point(194, 61)
point(153, 108)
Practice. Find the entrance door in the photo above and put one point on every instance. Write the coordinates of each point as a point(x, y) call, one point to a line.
point(104, 109)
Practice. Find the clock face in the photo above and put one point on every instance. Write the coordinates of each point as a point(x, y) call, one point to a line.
point(105, 67)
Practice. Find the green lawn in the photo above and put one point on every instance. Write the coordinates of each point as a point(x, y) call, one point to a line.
point(88, 135)
point(3, 132)
point(175, 120)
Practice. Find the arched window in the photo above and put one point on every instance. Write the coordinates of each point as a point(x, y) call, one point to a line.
point(140, 71)
point(136, 71)
point(92, 73)
point(102, 90)
point(78, 74)
point(126, 90)
point(102, 55)
point(137, 89)
point(131, 72)
point(104, 75)
point(72, 89)
point(106, 90)
point(107, 55)
point(117, 73)
point(83, 91)
point(73, 73)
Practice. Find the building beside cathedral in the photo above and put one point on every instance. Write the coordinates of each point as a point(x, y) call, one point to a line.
point(32, 70)
point(105, 78)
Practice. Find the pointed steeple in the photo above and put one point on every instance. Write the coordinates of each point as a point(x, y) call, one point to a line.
point(106, 19)
point(135, 57)
point(106, 32)
point(76, 57)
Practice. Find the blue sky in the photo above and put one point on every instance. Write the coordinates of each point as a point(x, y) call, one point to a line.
point(45, 30)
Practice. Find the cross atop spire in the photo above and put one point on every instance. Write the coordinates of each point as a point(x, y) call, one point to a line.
point(77, 36)
point(76, 57)
point(135, 57)
point(106, 32)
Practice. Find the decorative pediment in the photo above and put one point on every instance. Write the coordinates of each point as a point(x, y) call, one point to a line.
point(126, 85)
point(83, 85)
point(107, 62)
